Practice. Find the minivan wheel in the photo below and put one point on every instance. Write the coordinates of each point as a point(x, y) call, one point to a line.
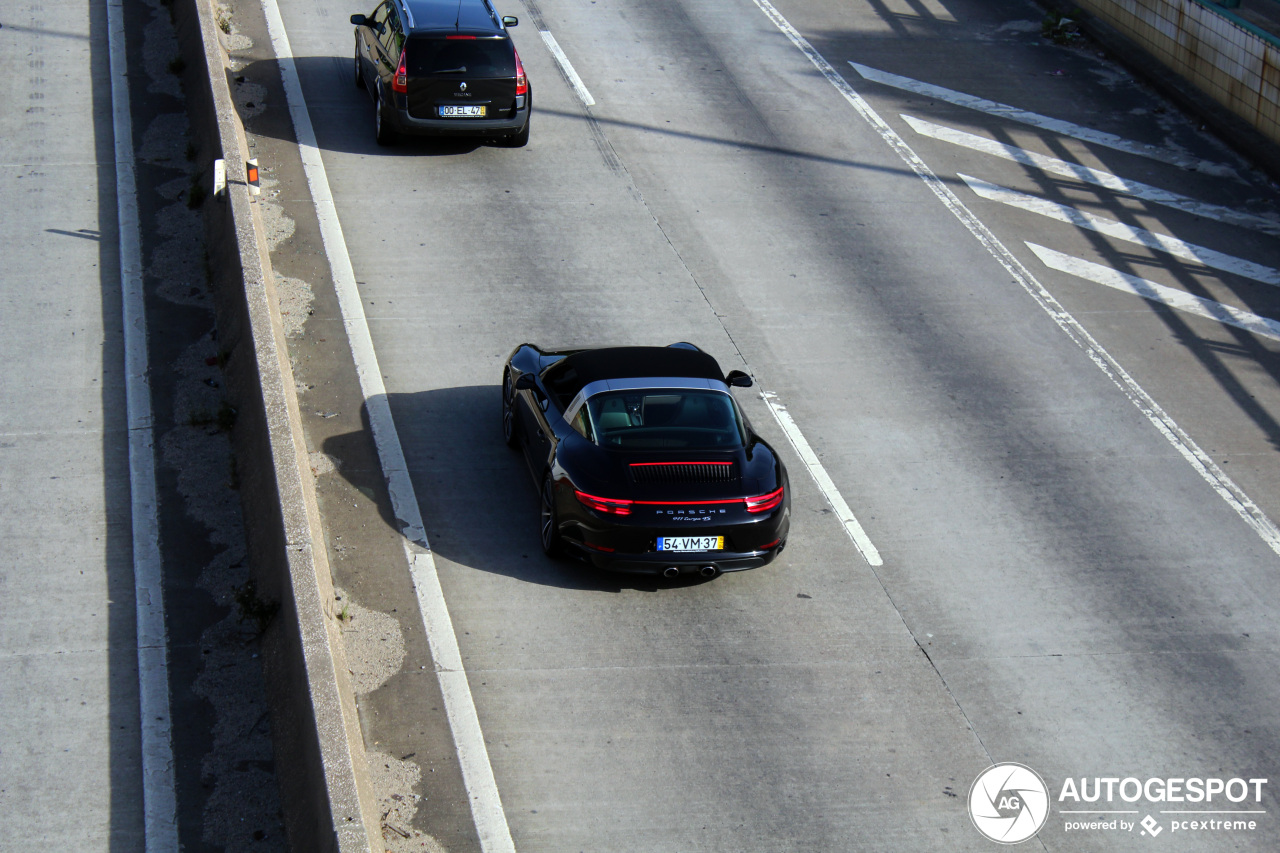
point(382, 131)
point(549, 520)
point(359, 78)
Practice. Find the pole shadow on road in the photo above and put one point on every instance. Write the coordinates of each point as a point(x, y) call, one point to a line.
point(343, 120)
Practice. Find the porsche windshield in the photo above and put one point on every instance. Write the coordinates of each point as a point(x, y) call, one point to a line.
point(661, 419)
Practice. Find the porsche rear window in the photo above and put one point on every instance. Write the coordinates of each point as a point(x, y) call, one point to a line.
point(664, 419)
point(480, 57)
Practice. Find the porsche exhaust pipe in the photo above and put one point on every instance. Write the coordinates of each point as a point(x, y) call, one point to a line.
point(670, 572)
point(708, 571)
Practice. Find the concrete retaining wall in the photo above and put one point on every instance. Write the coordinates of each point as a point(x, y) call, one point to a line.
point(1230, 60)
point(319, 752)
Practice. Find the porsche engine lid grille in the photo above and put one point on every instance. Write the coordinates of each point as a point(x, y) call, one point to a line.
point(683, 472)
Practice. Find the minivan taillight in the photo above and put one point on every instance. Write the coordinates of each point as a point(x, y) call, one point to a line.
point(522, 83)
point(400, 82)
point(764, 503)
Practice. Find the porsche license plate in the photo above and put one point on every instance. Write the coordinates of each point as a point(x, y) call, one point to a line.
point(462, 111)
point(690, 543)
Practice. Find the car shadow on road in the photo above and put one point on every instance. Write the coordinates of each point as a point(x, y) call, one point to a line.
point(478, 502)
point(343, 119)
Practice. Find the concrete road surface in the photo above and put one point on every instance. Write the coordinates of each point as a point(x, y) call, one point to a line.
point(69, 731)
point(73, 731)
point(1017, 307)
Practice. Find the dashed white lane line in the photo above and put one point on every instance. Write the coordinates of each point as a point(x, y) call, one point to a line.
point(159, 797)
point(473, 756)
point(828, 487)
point(1170, 296)
point(566, 68)
point(1200, 461)
point(1097, 177)
point(1121, 231)
point(1054, 125)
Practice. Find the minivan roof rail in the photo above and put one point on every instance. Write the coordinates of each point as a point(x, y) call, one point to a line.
point(407, 13)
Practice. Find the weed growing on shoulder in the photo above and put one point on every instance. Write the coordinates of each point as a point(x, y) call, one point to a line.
point(252, 608)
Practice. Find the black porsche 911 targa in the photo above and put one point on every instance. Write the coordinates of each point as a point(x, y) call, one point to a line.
point(644, 461)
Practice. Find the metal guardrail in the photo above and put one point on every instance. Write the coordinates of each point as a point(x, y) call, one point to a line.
point(1233, 11)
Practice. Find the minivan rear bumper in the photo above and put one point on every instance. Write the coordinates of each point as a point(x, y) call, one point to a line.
point(410, 125)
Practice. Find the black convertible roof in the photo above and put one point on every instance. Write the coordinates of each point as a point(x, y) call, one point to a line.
point(574, 371)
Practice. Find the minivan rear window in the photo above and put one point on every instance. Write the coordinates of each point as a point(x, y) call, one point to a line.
point(479, 57)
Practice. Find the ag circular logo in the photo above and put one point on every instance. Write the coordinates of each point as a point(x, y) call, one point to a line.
point(1008, 802)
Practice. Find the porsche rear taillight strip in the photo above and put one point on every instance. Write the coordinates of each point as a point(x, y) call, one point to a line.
point(648, 464)
point(688, 503)
point(618, 506)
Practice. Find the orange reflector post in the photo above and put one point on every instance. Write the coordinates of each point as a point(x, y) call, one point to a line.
point(255, 185)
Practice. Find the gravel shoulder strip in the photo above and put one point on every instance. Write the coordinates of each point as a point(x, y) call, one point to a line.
point(323, 776)
point(223, 762)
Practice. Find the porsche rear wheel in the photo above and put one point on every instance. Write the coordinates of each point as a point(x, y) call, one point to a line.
point(508, 412)
point(549, 520)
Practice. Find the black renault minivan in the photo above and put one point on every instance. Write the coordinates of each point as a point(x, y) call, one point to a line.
point(442, 67)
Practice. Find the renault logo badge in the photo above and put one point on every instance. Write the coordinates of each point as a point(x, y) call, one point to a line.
point(462, 87)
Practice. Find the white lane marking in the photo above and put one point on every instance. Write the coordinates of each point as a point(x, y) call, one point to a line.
point(1096, 177)
point(159, 798)
point(566, 68)
point(828, 487)
point(1063, 128)
point(1200, 461)
point(473, 756)
point(1171, 296)
point(1122, 231)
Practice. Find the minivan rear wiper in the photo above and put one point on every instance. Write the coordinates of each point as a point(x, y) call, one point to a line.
point(461, 70)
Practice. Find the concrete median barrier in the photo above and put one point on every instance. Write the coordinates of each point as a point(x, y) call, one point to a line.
point(319, 751)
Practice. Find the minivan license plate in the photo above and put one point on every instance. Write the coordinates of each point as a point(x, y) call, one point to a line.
point(465, 111)
point(690, 543)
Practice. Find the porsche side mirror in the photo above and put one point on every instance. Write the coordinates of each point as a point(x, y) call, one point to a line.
point(510, 20)
point(358, 20)
point(526, 382)
point(738, 379)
